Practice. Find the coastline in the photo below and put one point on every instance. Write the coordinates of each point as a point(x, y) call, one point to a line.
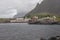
point(32, 24)
point(35, 20)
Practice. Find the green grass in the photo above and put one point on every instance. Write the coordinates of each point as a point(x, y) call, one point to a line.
point(58, 19)
point(40, 15)
point(4, 20)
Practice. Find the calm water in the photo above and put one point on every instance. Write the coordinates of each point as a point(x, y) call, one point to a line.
point(27, 32)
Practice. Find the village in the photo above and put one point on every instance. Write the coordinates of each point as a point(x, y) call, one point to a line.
point(36, 20)
point(32, 20)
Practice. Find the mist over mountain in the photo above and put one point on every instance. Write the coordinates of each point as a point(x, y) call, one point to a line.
point(47, 6)
point(19, 15)
point(27, 7)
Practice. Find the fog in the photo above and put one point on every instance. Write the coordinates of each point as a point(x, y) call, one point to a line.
point(10, 8)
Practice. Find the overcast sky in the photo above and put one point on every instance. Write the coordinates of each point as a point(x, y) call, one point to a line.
point(9, 8)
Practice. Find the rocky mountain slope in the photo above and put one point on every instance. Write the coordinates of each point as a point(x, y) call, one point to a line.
point(47, 6)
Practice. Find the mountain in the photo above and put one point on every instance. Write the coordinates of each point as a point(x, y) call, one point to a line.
point(47, 6)
point(19, 15)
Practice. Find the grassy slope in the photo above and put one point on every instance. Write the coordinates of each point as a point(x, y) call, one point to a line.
point(41, 15)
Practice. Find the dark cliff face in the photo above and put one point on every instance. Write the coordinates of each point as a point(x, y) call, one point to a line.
point(47, 6)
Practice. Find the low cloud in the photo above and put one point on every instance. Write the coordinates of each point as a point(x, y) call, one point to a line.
point(9, 8)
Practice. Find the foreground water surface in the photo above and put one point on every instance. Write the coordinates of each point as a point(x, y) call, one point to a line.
point(24, 31)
